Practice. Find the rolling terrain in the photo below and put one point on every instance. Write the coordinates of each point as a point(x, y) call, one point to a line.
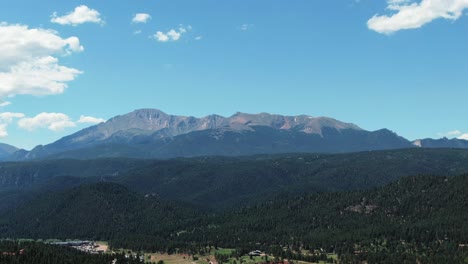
point(222, 182)
point(408, 217)
point(409, 201)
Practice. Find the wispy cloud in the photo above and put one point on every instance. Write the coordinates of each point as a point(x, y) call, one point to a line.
point(5, 119)
point(55, 121)
point(82, 14)
point(51, 121)
point(408, 14)
point(90, 120)
point(9, 116)
point(5, 103)
point(3, 130)
point(245, 27)
point(171, 35)
point(29, 63)
point(141, 18)
point(454, 134)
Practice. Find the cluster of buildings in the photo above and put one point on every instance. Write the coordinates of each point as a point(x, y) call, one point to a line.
point(20, 252)
point(85, 246)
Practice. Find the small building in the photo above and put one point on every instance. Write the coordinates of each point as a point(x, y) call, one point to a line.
point(255, 253)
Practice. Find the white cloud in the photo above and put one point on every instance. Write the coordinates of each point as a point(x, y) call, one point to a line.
point(41, 76)
point(82, 14)
point(450, 134)
point(90, 120)
point(408, 14)
point(397, 2)
point(199, 38)
point(141, 18)
point(3, 130)
point(28, 63)
point(51, 121)
point(174, 35)
point(171, 35)
point(137, 32)
point(6, 103)
point(245, 27)
point(5, 119)
point(9, 116)
point(453, 133)
point(161, 37)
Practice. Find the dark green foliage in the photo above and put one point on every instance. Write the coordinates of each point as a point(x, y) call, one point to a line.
point(27, 175)
point(103, 211)
point(419, 218)
point(413, 209)
point(297, 201)
point(20, 181)
point(217, 182)
point(221, 182)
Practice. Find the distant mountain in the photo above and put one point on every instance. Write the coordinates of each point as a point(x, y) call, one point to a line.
point(151, 133)
point(6, 150)
point(441, 143)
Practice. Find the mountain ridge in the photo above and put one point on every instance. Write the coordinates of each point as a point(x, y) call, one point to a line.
point(152, 133)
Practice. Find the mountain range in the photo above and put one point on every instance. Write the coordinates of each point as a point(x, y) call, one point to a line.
point(151, 133)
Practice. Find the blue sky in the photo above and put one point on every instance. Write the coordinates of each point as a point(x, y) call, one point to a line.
point(398, 64)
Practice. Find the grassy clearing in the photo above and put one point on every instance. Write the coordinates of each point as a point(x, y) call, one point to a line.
point(320, 262)
point(224, 251)
point(171, 259)
point(248, 260)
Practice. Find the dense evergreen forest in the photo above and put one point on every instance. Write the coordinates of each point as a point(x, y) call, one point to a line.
point(102, 211)
point(420, 218)
point(217, 183)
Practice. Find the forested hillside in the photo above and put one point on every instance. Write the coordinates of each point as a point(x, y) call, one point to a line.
point(419, 217)
point(218, 182)
point(223, 182)
point(405, 219)
point(102, 211)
